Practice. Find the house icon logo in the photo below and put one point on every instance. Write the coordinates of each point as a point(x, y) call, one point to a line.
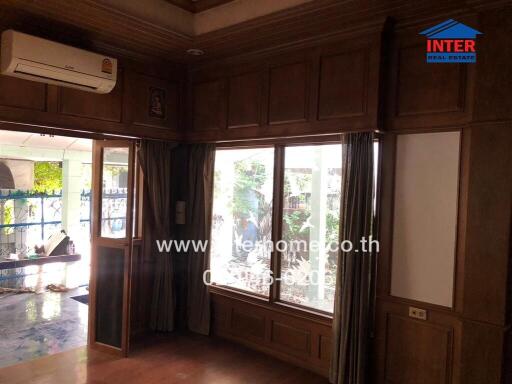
point(451, 42)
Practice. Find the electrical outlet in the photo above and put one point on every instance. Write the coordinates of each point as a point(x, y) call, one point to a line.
point(417, 313)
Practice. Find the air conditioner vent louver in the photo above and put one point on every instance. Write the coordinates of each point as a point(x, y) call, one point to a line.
point(36, 59)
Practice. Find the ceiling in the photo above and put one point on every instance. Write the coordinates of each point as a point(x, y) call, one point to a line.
point(166, 29)
point(36, 140)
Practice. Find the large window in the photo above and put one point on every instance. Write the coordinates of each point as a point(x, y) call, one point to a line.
point(300, 255)
point(242, 219)
point(310, 222)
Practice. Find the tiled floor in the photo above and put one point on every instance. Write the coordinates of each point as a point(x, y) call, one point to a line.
point(35, 325)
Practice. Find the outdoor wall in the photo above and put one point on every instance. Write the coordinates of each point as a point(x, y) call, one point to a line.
point(22, 172)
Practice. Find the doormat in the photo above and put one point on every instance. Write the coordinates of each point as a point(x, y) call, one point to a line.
point(84, 299)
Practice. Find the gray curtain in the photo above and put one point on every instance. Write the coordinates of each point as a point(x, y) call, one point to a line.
point(353, 300)
point(199, 199)
point(156, 160)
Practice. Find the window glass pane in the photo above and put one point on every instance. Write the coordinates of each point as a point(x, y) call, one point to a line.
point(114, 192)
point(242, 219)
point(311, 211)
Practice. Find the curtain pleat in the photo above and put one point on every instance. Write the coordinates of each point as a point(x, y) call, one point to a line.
point(355, 272)
point(156, 160)
point(201, 160)
point(172, 173)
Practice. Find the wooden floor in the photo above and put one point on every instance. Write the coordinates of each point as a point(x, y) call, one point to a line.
point(166, 359)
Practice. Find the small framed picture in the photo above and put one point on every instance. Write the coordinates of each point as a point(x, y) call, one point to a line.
point(157, 103)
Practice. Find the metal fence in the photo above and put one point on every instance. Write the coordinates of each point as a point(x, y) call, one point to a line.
point(28, 218)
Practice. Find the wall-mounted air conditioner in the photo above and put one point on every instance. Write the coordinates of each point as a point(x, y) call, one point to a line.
point(33, 58)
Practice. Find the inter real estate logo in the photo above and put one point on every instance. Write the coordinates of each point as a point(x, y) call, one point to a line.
point(451, 42)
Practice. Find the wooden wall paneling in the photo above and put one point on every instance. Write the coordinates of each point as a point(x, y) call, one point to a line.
point(289, 92)
point(465, 151)
point(482, 353)
point(423, 95)
point(325, 349)
point(343, 84)
point(387, 305)
point(493, 81)
point(292, 338)
point(93, 105)
point(424, 88)
point(247, 323)
point(52, 98)
point(387, 190)
point(349, 82)
point(280, 333)
point(417, 350)
point(220, 316)
point(245, 100)
point(22, 93)
point(507, 358)
point(140, 89)
point(488, 236)
point(412, 351)
point(209, 105)
point(33, 106)
point(329, 88)
point(138, 307)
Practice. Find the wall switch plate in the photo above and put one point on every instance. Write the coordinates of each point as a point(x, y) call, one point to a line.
point(417, 313)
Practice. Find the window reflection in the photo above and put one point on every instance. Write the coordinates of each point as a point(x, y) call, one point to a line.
point(114, 192)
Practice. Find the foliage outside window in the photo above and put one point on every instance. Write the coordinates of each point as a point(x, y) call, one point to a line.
point(311, 209)
point(242, 219)
point(47, 176)
point(241, 239)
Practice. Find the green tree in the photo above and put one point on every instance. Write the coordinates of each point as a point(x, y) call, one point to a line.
point(47, 176)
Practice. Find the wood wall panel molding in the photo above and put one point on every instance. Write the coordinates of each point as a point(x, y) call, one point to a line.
point(245, 100)
point(425, 88)
point(422, 95)
point(209, 105)
point(417, 350)
point(282, 334)
point(343, 85)
point(291, 338)
point(409, 351)
point(247, 323)
point(332, 88)
point(493, 82)
point(325, 348)
point(289, 93)
point(22, 93)
point(482, 353)
point(18, 119)
point(139, 99)
point(93, 105)
point(486, 290)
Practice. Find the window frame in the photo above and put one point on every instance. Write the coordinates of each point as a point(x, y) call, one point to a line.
point(273, 299)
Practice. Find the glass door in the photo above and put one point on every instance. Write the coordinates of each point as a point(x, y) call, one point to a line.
point(112, 242)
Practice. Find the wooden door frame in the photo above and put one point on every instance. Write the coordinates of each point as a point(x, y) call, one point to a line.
point(97, 240)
